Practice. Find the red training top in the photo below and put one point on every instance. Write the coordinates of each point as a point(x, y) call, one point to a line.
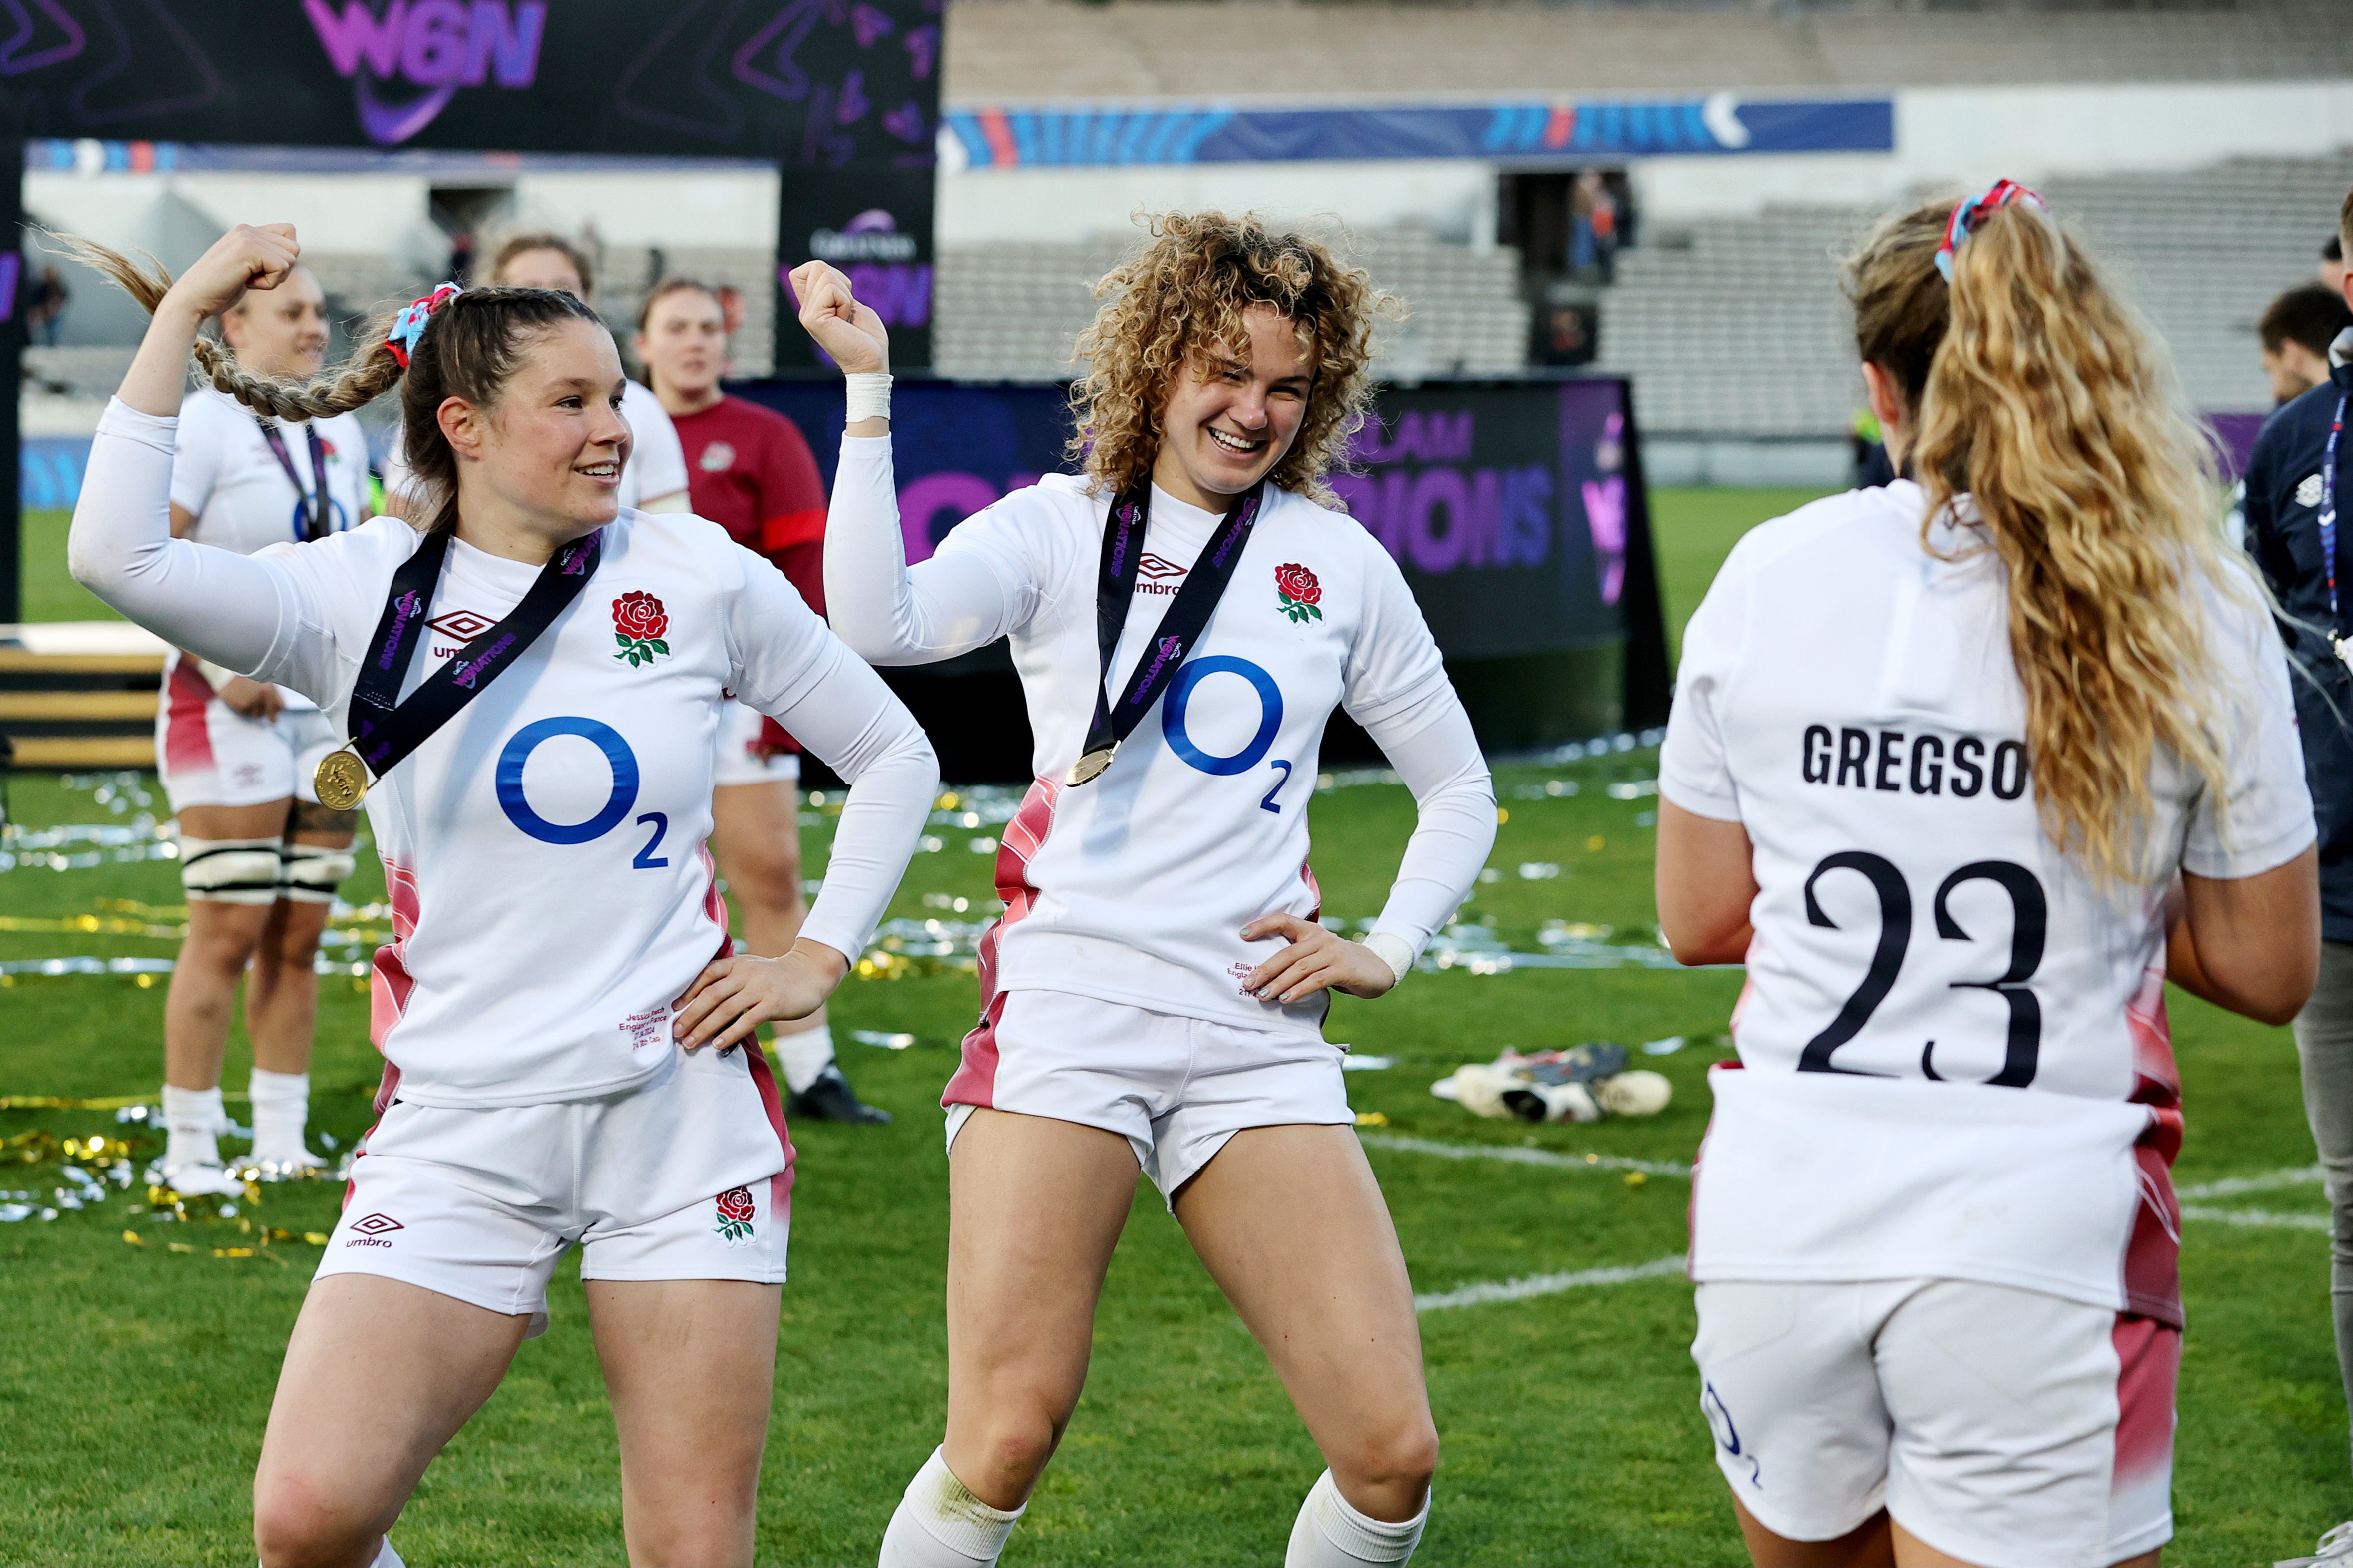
point(749, 471)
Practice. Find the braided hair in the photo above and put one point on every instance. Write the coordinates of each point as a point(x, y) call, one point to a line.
point(472, 343)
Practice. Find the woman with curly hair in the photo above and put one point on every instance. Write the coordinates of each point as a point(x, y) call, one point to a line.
point(1186, 614)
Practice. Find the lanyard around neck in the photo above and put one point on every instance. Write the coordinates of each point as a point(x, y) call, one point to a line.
point(313, 516)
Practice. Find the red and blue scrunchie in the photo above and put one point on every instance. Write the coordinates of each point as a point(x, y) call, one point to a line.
point(409, 325)
point(1971, 214)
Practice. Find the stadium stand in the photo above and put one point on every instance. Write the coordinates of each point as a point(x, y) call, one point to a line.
point(1734, 326)
point(1010, 313)
point(1034, 51)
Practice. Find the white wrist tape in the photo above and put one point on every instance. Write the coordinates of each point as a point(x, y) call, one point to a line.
point(869, 396)
point(1393, 951)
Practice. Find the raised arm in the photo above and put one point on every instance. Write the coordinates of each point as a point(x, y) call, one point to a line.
point(949, 605)
point(233, 610)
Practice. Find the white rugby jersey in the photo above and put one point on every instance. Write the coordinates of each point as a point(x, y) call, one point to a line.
point(656, 465)
point(544, 849)
point(1135, 888)
point(223, 472)
point(1953, 1043)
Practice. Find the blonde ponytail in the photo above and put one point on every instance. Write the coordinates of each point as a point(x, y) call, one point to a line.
point(2049, 406)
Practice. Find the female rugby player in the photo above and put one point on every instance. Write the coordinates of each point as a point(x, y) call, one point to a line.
point(1154, 996)
point(1964, 768)
point(750, 471)
point(561, 1045)
point(259, 858)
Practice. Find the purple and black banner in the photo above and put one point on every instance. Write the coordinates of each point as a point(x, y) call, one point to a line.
point(841, 95)
point(1514, 509)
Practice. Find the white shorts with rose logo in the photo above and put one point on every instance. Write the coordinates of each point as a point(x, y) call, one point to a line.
point(686, 1178)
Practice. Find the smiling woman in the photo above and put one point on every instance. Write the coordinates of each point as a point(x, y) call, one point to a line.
point(1154, 998)
point(544, 1008)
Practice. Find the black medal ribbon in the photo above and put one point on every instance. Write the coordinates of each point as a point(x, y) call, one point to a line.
point(1180, 625)
point(382, 729)
point(315, 512)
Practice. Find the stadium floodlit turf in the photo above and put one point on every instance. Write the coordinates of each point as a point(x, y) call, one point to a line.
point(137, 1377)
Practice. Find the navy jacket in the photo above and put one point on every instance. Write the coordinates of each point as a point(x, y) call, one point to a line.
point(2282, 513)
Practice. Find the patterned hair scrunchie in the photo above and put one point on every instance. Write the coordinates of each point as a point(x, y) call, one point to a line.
point(409, 325)
point(1970, 215)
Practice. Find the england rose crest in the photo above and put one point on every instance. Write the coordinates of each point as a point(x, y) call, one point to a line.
point(638, 623)
point(1299, 591)
point(736, 1214)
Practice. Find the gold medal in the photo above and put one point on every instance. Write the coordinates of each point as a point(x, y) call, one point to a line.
point(342, 780)
point(1082, 771)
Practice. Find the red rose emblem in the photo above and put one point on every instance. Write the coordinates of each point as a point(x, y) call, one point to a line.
point(1299, 591)
point(736, 1206)
point(639, 616)
point(638, 623)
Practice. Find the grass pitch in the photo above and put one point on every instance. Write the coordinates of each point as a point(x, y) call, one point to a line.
point(137, 1376)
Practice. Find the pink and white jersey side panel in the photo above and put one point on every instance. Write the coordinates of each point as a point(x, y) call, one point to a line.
point(2152, 1256)
point(389, 982)
point(975, 1080)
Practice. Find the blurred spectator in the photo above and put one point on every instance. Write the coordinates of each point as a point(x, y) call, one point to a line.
point(2296, 476)
point(45, 311)
point(1592, 226)
point(462, 257)
point(2296, 329)
point(1872, 469)
point(2332, 264)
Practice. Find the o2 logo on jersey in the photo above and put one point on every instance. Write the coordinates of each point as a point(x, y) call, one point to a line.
point(1175, 706)
point(618, 755)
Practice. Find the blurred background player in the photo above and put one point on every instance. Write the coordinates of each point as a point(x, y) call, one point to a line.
point(655, 477)
point(2296, 329)
point(2297, 478)
point(1961, 843)
point(750, 471)
point(260, 856)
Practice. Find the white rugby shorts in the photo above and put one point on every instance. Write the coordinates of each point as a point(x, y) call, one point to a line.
point(1999, 1426)
point(1174, 1088)
point(739, 761)
point(689, 1177)
point(210, 754)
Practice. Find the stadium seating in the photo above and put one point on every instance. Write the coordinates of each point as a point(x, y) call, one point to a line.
point(1010, 313)
point(1735, 326)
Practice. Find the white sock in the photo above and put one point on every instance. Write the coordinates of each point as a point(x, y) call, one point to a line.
point(940, 1524)
point(1331, 1534)
point(193, 1118)
point(804, 1056)
point(386, 1557)
point(282, 1106)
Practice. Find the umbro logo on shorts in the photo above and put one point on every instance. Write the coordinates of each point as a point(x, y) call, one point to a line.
point(372, 1229)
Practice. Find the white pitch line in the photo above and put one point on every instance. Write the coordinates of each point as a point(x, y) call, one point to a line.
point(2263, 1218)
point(1513, 1156)
point(1547, 1285)
point(2270, 1181)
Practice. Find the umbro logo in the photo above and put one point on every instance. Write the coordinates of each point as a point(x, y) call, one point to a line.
point(463, 625)
point(1157, 567)
point(2308, 492)
point(371, 1230)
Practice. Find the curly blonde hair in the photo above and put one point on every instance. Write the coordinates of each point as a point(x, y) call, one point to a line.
point(1186, 290)
point(2043, 398)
